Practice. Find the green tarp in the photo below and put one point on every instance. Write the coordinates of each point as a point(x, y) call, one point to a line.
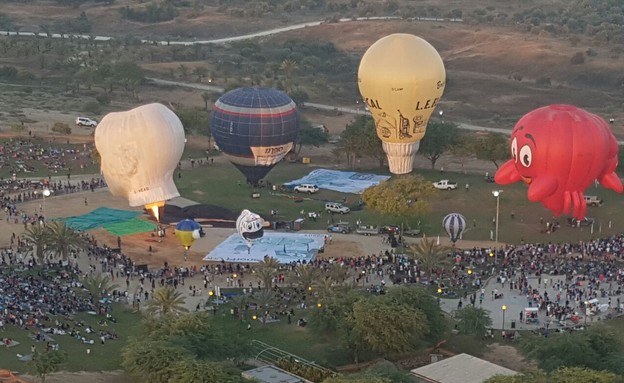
point(131, 226)
point(99, 217)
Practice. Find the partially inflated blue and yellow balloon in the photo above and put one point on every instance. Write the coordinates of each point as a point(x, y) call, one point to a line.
point(187, 231)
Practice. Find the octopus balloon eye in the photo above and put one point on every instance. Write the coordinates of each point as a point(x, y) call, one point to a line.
point(514, 149)
point(250, 226)
point(526, 156)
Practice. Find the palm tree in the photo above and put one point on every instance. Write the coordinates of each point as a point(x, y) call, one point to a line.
point(98, 285)
point(240, 303)
point(429, 255)
point(338, 273)
point(266, 275)
point(267, 270)
point(305, 276)
point(63, 240)
point(265, 299)
point(38, 236)
point(166, 301)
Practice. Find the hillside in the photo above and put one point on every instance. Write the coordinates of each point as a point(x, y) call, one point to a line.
point(502, 59)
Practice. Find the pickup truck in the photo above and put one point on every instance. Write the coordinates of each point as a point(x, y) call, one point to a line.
point(445, 185)
point(367, 230)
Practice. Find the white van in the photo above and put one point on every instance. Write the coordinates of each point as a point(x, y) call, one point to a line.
point(306, 188)
point(84, 121)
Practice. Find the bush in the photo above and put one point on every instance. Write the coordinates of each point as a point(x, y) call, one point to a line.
point(61, 128)
point(92, 107)
point(577, 59)
point(103, 99)
point(18, 127)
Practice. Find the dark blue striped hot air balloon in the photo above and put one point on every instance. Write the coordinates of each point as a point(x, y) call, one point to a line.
point(255, 128)
point(454, 224)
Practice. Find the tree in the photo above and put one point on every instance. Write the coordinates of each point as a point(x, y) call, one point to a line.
point(494, 147)
point(45, 363)
point(360, 139)
point(240, 304)
point(309, 135)
point(37, 236)
point(385, 327)
point(596, 348)
point(304, 276)
point(98, 285)
point(267, 270)
point(265, 298)
point(473, 320)
point(429, 255)
point(440, 137)
point(404, 196)
point(330, 318)
point(206, 96)
point(417, 296)
point(200, 72)
point(150, 360)
point(166, 301)
point(64, 241)
point(562, 375)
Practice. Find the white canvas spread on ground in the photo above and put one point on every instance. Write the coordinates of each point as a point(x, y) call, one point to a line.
point(286, 247)
point(344, 182)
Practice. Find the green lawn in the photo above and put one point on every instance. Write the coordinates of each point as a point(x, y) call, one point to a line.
point(103, 356)
point(219, 185)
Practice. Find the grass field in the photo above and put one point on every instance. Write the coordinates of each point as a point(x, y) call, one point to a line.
point(103, 356)
point(222, 184)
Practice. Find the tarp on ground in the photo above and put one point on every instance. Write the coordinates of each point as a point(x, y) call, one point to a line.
point(131, 226)
point(99, 217)
point(286, 247)
point(344, 182)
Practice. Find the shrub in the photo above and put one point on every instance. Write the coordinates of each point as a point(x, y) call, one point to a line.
point(61, 128)
point(577, 59)
point(92, 107)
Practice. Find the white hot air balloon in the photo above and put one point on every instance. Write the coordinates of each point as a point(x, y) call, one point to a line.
point(140, 150)
point(250, 226)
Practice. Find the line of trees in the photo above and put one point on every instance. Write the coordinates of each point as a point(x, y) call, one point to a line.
point(360, 140)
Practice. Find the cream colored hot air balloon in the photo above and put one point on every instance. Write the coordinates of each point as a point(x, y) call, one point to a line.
point(401, 79)
point(140, 149)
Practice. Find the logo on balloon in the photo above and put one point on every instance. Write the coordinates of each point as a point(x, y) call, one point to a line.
point(406, 75)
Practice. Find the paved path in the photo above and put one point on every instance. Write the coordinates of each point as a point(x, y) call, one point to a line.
point(516, 304)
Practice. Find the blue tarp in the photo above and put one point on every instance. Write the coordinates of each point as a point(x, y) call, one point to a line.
point(99, 217)
point(344, 182)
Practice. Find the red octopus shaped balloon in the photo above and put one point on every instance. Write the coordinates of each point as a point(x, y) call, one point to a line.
point(558, 151)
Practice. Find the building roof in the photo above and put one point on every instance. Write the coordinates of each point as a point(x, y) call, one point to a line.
point(462, 368)
point(272, 374)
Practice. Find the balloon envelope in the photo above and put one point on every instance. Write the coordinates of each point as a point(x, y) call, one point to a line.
point(401, 79)
point(454, 224)
point(249, 226)
point(139, 151)
point(558, 151)
point(255, 128)
point(185, 232)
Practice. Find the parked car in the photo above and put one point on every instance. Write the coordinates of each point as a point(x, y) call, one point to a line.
point(411, 232)
point(336, 207)
point(445, 185)
point(489, 178)
point(592, 200)
point(580, 222)
point(390, 229)
point(340, 227)
point(84, 121)
point(306, 188)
